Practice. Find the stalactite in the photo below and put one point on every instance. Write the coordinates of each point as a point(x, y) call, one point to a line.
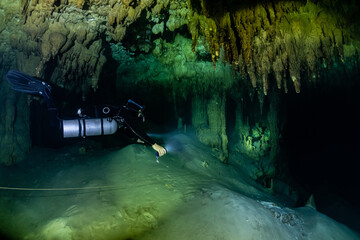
point(67, 38)
point(122, 14)
point(70, 34)
point(284, 35)
point(274, 39)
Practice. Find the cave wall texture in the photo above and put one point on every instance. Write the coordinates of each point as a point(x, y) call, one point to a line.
point(225, 66)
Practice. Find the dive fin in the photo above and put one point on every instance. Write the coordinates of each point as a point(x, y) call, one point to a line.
point(22, 82)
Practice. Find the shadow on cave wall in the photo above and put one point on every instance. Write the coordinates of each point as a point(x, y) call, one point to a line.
point(321, 140)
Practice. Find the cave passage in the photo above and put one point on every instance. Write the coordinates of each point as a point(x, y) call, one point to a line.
point(321, 139)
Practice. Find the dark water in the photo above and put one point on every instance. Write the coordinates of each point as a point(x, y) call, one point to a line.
point(321, 139)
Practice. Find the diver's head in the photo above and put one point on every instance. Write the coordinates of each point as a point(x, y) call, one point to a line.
point(136, 108)
point(141, 115)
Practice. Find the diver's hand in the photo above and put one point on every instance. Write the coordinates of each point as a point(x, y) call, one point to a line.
point(161, 150)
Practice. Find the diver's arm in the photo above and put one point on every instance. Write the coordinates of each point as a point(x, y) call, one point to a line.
point(131, 124)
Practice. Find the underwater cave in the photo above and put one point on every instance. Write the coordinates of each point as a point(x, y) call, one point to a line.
point(179, 119)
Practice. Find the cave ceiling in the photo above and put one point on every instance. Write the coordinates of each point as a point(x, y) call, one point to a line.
point(273, 44)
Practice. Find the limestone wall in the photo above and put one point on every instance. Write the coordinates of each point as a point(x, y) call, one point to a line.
point(14, 108)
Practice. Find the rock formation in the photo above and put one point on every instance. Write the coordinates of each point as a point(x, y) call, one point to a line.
point(209, 59)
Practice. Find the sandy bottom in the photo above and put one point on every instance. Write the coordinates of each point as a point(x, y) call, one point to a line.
point(125, 194)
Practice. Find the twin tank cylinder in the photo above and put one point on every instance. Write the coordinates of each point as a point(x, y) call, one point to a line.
point(84, 127)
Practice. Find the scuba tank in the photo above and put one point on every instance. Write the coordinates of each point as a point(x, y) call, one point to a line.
point(95, 121)
point(98, 120)
point(84, 127)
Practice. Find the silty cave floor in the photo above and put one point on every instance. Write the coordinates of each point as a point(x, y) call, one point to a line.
point(125, 194)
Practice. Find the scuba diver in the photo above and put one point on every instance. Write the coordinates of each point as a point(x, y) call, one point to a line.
point(107, 119)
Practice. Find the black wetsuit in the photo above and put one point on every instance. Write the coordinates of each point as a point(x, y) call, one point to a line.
point(130, 122)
